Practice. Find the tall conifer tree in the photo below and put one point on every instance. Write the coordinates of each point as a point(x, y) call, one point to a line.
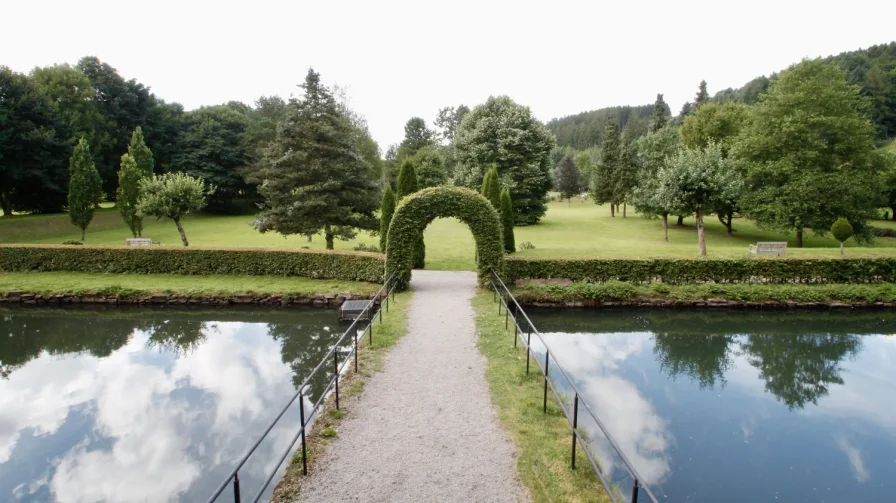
point(491, 187)
point(128, 193)
point(507, 221)
point(407, 185)
point(659, 114)
point(85, 188)
point(387, 209)
point(314, 176)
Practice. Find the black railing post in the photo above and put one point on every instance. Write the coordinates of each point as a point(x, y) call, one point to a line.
point(336, 373)
point(515, 332)
point(528, 348)
point(575, 424)
point(236, 488)
point(356, 351)
point(302, 418)
point(499, 304)
point(546, 362)
point(380, 310)
point(635, 492)
point(506, 313)
point(370, 334)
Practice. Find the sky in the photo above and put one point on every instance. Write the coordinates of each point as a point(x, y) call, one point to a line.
point(401, 59)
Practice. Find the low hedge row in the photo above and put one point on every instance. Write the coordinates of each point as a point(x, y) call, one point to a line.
point(678, 271)
point(194, 261)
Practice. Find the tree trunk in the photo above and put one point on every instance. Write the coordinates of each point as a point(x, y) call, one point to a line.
point(623, 210)
point(701, 239)
point(680, 220)
point(726, 221)
point(568, 202)
point(841, 248)
point(83, 232)
point(799, 238)
point(666, 226)
point(7, 204)
point(183, 235)
point(329, 236)
point(309, 236)
point(892, 213)
point(612, 210)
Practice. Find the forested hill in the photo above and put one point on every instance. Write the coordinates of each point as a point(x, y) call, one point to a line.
point(873, 69)
point(583, 130)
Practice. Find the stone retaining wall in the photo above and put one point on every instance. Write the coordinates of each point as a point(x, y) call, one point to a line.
point(319, 300)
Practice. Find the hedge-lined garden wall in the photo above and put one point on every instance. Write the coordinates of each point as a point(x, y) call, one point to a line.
point(677, 271)
point(198, 261)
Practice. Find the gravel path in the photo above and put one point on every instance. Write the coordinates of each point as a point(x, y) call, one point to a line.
point(424, 429)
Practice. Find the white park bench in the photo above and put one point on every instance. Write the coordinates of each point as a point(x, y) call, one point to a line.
point(769, 248)
point(141, 242)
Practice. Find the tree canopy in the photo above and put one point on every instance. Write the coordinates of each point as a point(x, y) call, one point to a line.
point(172, 196)
point(809, 135)
point(506, 134)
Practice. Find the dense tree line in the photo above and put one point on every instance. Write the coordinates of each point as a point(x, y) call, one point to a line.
point(585, 130)
point(45, 113)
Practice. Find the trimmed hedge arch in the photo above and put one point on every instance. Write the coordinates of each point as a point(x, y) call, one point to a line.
point(416, 211)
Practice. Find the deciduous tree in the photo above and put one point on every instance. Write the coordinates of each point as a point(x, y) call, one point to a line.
point(85, 188)
point(33, 148)
point(429, 165)
point(212, 148)
point(652, 153)
point(172, 196)
point(506, 134)
point(808, 134)
point(697, 180)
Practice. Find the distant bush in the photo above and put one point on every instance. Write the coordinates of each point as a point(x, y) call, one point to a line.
point(527, 245)
point(198, 261)
point(72, 242)
point(678, 271)
point(882, 232)
point(366, 248)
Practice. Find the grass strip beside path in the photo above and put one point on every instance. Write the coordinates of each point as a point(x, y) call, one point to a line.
point(370, 360)
point(542, 439)
point(136, 285)
point(620, 291)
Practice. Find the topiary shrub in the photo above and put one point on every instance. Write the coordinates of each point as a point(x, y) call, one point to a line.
point(416, 211)
point(842, 230)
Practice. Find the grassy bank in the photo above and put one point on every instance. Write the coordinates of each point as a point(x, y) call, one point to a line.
point(619, 291)
point(137, 285)
point(326, 427)
point(542, 440)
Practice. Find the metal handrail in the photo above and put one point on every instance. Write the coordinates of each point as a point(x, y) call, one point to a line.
point(333, 384)
point(573, 421)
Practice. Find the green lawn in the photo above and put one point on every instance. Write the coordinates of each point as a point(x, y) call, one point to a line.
point(581, 229)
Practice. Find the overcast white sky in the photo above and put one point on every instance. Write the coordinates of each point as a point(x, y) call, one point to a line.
point(409, 58)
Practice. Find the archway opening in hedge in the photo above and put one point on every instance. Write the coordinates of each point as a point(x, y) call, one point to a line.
point(416, 211)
